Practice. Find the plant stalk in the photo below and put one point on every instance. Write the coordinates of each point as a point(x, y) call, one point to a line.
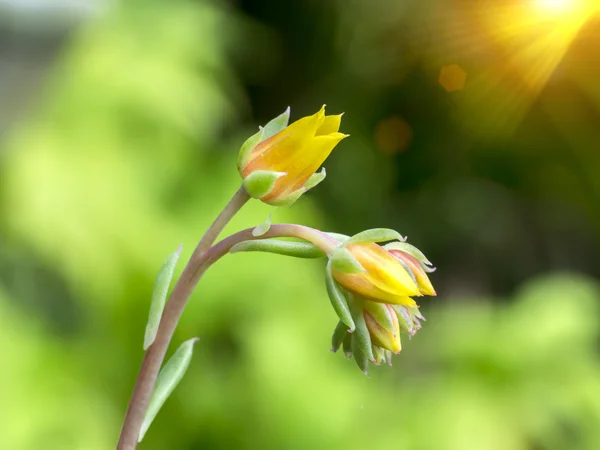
point(153, 359)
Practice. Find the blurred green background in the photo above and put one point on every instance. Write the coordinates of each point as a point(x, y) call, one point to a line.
point(475, 130)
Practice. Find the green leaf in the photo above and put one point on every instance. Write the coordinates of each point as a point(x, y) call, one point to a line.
point(361, 333)
point(347, 345)
point(339, 334)
point(362, 360)
point(261, 229)
point(168, 379)
point(410, 249)
point(159, 296)
point(375, 235)
point(338, 299)
point(343, 261)
point(286, 248)
point(260, 182)
point(276, 125)
point(247, 148)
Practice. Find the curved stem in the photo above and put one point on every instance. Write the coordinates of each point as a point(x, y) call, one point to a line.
point(155, 355)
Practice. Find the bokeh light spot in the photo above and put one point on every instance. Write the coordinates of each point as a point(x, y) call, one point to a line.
point(393, 135)
point(452, 77)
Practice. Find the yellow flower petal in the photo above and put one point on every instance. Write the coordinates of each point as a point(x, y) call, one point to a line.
point(314, 153)
point(331, 124)
point(279, 151)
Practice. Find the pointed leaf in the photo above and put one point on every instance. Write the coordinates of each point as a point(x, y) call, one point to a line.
point(159, 296)
point(286, 248)
point(343, 261)
point(261, 229)
point(347, 345)
point(168, 379)
point(361, 332)
point(379, 354)
point(260, 182)
point(362, 361)
point(338, 299)
point(277, 124)
point(339, 334)
point(375, 235)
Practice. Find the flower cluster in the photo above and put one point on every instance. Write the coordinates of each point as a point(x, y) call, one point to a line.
point(379, 297)
point(371, 287)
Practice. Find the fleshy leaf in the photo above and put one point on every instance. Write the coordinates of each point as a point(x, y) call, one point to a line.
point(338, 299)
point(362, 360)
point(286, 248)
point(375, 235)
point(247, 148)
point(261, 229)
point(361, 333)
point(276, 125)
point(339, 334)
point(410, 249)
point(159, 296)
point(404, 319)
point(343, 261)
point(260, 182)
point(347, 345)
point(168, 379)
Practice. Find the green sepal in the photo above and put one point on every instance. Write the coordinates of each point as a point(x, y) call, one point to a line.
point(347, 345)
point(168, 379)
point(315, 179)
point(410, 249)
point(260, 182)
point(342, 260)
point(277, 124)
point(338, 336)
point(361, 332)
point(375, 235)
point(379, 355)
point(286, 248)
point(262, 229)
point(404, 319)
point(362, 361)
point(159, 296)
point(381, 313)
point(247, 148)
point(338, 299)
point(287, 201)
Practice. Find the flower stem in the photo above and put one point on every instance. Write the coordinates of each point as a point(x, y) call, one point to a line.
point(155, 355)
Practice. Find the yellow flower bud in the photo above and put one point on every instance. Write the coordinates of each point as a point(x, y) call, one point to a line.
point(294, 154)
point(381, 335)
point(423, 282)
point(384, 279)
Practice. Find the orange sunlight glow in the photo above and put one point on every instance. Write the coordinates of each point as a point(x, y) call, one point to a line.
point(534, 36)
